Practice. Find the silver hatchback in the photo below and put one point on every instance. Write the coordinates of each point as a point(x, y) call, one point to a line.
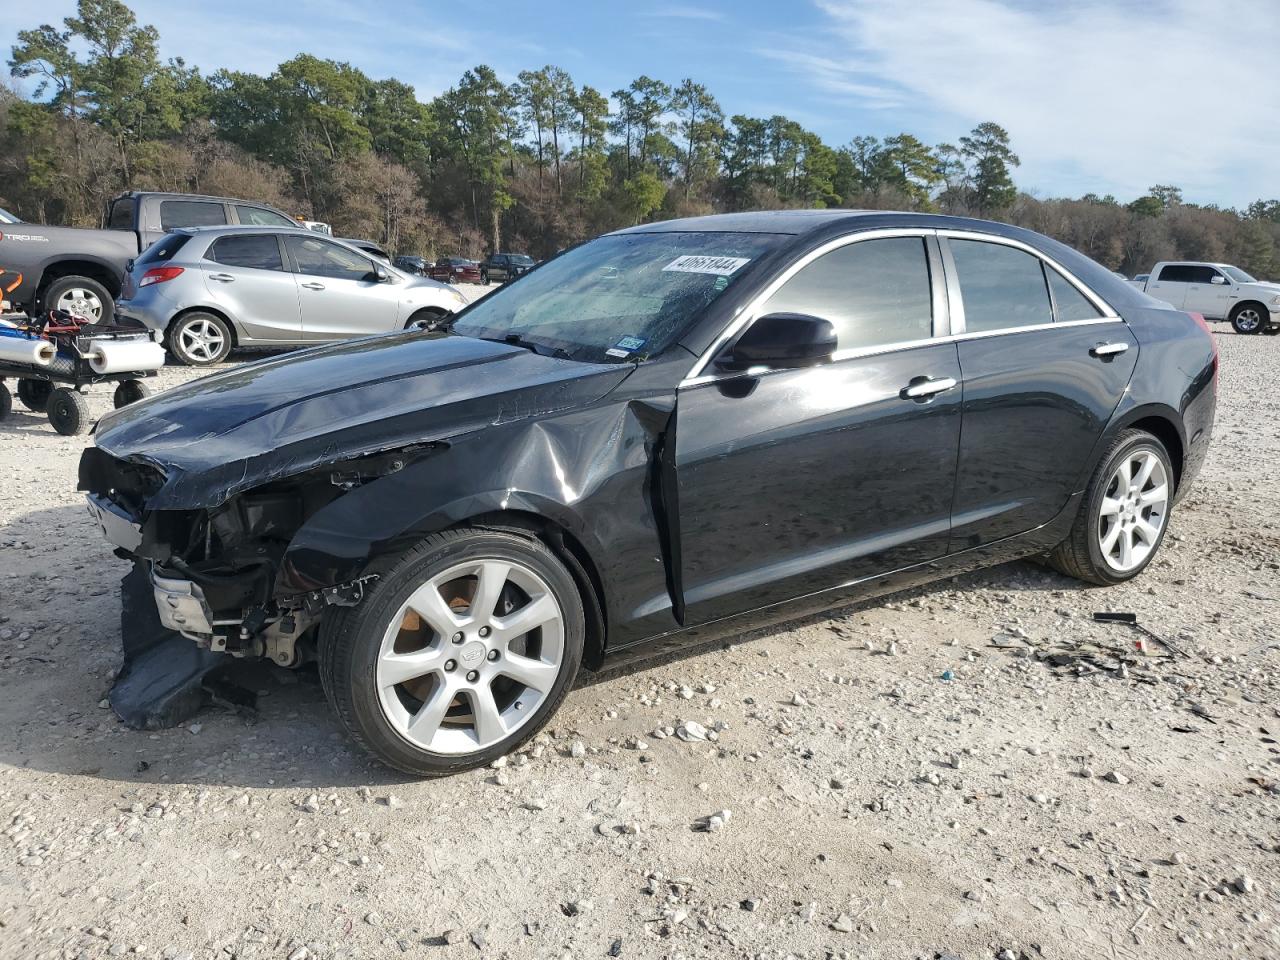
point(209, 289)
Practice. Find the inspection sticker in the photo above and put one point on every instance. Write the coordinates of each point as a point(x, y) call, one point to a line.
point(717, 266)
point(625, 347)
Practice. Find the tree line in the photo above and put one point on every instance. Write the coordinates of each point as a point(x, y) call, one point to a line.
point(532, 165)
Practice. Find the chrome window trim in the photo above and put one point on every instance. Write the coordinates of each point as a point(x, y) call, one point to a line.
point(948, 311)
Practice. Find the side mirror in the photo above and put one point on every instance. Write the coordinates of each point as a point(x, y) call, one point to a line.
point(1218, 278)
point(380, 274)
point(782, 341)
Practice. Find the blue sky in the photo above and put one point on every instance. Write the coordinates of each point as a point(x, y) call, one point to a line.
point(1098, 97)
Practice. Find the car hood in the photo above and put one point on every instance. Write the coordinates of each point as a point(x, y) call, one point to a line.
point(220, 435)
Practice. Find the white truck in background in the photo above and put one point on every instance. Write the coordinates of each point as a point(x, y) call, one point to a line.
point(1217, 291)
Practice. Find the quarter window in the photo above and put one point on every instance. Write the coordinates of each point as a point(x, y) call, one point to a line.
point(191, 213)
point(320, 258)
point(1069, 303)
point(874, 292)
point(1001, 286)
point(259, 252)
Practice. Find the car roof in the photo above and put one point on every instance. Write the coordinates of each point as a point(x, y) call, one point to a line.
point(190, 196)
point(246, 228)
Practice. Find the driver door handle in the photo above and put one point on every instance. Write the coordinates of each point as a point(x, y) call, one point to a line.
point(222, 277)
point(312, 285)
point(1109, 349)
point(918, 390)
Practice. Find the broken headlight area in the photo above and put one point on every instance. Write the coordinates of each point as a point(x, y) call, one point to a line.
point(212, 573)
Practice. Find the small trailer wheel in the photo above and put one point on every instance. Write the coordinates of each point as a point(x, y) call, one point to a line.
point(68, 412)
point(6, 401)
point(130, 391)
point(34, 394)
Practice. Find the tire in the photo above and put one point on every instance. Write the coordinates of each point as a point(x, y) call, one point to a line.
point(358, 648)
point(34, 394)
point(6, 401)
point(68, 411)
point(1095, 551)
point(199, 339)
point(425, 317)
point(484, 278)
point(81, 296)
point(1249, 318)
point(130, 391)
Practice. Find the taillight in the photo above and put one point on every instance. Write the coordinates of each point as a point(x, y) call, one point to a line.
point(159, 275)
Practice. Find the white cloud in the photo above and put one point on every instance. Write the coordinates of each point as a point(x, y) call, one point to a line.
point(1101, 97)
point(684, 12)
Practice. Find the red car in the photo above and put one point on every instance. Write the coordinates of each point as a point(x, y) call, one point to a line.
point(455, 270)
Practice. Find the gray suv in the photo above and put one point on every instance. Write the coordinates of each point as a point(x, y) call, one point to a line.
point(208, 290)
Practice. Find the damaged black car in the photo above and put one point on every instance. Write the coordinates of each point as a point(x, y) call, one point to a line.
point(667, 435)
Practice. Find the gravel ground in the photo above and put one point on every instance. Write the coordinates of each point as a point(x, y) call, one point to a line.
point(963, 771)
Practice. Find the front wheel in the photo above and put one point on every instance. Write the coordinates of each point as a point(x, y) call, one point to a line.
point(1124, 514)
point(1248, 318)
point(425, 318)
point(463, 649)
point(68, 411)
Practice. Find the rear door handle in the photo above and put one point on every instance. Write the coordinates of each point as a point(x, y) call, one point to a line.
point(222, 277)
point(314, 286)
point(1108, 349)
point(918, 390)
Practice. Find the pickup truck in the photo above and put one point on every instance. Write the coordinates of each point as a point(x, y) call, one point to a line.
point(1217, 291)
point(82, 270)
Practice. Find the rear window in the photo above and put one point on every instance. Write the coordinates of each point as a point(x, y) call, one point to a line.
point(164, 248)
point(191, 213)
point(260, 251)
point(1001, 286)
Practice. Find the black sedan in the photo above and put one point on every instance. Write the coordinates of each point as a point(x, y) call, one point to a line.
point(671, 433)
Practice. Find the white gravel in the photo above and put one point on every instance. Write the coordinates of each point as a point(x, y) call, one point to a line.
point(1017, 809)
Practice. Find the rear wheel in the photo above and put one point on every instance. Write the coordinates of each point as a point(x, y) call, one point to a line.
point(68, 411)
point(34, 394)
point(1248, 318)
point(199, 339)
point(1124, 514)
point(81, 297)
point(461, 651)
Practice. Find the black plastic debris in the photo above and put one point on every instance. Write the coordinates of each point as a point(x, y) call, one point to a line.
point(1131, 620)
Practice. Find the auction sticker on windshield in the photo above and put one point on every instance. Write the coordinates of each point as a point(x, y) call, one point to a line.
point(718, 266)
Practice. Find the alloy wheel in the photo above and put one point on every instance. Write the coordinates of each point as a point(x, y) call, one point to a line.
point(1133, 511)
point(80, 302)
point(470, 655)
point(1248, 320)
point(201, 339)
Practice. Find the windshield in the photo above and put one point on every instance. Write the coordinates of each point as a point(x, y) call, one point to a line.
point(1238, 275)
point(7, 217)
point(522, 259)
point(618, 298)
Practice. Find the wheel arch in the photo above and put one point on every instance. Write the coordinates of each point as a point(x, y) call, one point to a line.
point(1161, 422)
point(97, 270)
point(1262, 307)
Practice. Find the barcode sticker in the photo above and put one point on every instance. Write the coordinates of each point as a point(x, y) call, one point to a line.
point(717, 266)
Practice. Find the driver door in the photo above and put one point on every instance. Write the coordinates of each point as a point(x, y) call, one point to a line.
point(792, 481)
point(339, 293)
point(1208, 293)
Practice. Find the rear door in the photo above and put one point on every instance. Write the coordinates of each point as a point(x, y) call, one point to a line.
point(792, 481)
point(338, 290)
point(1045, 363)
point(1170, 283)
point(247, 277)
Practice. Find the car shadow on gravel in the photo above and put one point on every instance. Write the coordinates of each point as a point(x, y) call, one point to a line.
point(64, 594)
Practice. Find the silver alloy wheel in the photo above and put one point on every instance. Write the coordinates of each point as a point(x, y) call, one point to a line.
point(201, 339)
point(1133, 512)
point(80, 302)
point(470, 656)
point(1248, 320)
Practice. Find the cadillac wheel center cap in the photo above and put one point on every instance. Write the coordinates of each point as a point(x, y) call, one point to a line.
point(473, 654)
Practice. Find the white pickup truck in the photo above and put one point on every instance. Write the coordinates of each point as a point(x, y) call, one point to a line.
point(1217, 291)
